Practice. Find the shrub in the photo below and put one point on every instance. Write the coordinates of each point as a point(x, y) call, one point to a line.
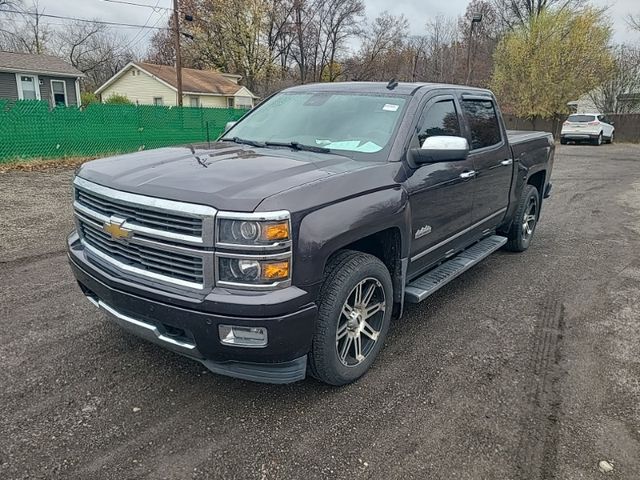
point(87, 98)
point(116, 99)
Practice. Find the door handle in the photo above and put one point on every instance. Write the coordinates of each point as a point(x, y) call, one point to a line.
point(467, 175)
point(506, 162)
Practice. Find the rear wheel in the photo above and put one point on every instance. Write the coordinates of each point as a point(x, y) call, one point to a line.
point(610, 139)
point(354, 312)
point(563, 141)
point(598, 140)
point(524, 220)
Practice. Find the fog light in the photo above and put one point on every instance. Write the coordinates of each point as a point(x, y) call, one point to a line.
point(237, 336)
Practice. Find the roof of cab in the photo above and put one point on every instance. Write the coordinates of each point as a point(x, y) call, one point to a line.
point(403, 88)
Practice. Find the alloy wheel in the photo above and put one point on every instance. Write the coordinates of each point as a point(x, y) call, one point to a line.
point(361, 320)
point(530, 218)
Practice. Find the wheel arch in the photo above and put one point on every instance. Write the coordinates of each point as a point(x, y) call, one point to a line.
point(538, 180)
point(376, 223)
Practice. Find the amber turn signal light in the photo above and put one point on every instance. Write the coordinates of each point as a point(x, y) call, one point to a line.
point(275, 270)
point(276, 231)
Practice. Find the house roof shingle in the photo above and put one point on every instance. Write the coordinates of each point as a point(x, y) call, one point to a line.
point(29, 63)
point(196, 81)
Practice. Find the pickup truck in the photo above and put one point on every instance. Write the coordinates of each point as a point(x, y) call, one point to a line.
point(287, 247)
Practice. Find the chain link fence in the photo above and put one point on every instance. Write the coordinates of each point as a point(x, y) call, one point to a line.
point(30, 129)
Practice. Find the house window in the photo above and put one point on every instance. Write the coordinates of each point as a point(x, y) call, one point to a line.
point(158, 101)
point(59, 93)
point(243, 102)
point(28, 87)
point(194, 101)
point(231, 102)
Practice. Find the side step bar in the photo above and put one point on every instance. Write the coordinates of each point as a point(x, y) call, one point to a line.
point(430, 282)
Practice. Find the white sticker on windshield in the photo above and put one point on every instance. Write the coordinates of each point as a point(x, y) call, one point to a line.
point(390, 107)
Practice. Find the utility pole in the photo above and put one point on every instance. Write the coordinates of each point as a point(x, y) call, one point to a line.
point(176, 33)
point(477, 18)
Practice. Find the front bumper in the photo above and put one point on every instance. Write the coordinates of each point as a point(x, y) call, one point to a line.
point(189, 326)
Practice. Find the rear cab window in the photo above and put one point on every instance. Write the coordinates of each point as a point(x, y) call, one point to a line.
point(483, 123)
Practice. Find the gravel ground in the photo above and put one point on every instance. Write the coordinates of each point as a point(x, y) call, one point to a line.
point(526, 367)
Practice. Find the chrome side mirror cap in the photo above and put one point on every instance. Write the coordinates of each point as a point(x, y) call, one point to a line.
point(441, 148)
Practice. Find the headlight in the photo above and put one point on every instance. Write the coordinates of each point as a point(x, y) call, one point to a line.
point(253, 250)
point(270, 270)
point(253, 230)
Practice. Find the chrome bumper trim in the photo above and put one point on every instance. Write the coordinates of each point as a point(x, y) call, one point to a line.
point(146, 330)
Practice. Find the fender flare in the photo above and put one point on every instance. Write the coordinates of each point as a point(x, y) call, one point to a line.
point(330, 228)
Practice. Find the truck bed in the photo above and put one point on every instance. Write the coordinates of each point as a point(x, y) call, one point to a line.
point(531, 148)
point(523, 136)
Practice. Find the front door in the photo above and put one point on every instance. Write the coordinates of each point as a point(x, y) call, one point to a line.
point(492, 162)
point(440, 194)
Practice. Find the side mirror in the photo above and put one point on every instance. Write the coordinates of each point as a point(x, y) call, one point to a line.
point(440, 149)
point(228, 126)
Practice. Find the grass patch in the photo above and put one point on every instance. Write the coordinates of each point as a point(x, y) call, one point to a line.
point(42, 164)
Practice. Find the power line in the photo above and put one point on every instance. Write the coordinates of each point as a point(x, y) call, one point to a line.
point(146, 22)
point(156, 7)
point(101, 22)
point(135, 37)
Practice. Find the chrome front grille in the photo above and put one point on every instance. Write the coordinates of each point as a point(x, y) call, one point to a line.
point(162, 241)
point(150, 259)
point(146, 218)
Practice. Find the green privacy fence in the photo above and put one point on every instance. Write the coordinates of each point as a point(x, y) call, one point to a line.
point(30, 129)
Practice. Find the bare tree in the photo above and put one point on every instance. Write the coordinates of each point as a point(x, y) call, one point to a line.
point(380, 56)
point(26, 32)
point(518, 12)
point(340, 20)
point(417, 51)
point(634, 21)
point(484, 41)
point(621, 92)
point(443, 52)
point(94, 50)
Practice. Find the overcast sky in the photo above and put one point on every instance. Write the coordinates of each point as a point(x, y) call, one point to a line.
point(417, 11)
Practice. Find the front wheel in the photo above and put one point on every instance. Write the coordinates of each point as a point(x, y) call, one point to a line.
point(354, 312)
point(524, 220)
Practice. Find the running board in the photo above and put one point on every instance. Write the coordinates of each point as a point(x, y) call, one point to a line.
point(430, 282)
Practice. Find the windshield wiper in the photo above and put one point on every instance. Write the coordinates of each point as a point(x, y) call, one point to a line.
point(245, 141)
point(299, 146)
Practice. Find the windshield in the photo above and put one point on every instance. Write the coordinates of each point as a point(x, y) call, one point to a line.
point(581, 118)
point(335, 121)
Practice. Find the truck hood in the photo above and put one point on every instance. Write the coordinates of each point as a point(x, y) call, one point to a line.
point(223, 175)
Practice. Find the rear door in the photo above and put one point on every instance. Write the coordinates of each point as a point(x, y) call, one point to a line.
point(491, 157)
point(440, 198)
point(607, 128)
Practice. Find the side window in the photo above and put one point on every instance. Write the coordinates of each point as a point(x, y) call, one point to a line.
point(483, 122)
point(440, 118)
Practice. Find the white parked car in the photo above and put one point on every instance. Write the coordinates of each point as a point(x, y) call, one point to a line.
point(593, 127)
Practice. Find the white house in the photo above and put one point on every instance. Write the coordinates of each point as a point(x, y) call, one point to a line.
point(151, 84)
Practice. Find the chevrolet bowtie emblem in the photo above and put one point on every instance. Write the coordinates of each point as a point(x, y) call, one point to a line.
point(114, 228)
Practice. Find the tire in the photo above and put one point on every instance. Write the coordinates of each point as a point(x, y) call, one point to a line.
point(345, 272)
point(610, 139)
point(598, 141)
point(520, 234)
point(563, 141)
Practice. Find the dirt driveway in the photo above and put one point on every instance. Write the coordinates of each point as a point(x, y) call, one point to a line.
point(526, 367)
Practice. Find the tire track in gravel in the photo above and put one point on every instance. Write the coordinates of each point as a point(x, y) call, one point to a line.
point(537, 448)
point(17, 262)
